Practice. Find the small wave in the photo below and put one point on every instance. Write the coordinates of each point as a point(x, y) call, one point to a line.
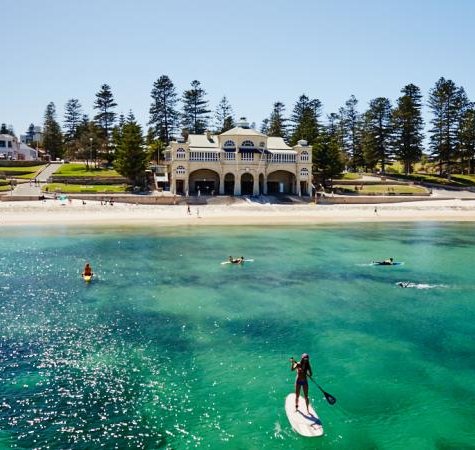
point(409, 284)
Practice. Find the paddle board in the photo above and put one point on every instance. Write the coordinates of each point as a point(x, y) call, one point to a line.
point(87, 278)
point(304, 423)
point(237, 264)
point(380, 263)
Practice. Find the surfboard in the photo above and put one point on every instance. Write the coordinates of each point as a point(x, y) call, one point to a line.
point(304, 423)
point(87, 278)
point(380, 263)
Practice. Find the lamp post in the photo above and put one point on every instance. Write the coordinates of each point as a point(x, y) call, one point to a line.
point(90, 150)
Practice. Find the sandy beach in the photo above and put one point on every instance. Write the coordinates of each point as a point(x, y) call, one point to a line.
point(55, 212)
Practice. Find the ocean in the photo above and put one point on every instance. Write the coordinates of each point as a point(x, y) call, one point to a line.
point(168, 348)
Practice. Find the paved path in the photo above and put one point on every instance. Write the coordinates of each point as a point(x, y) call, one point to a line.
point(32, 189)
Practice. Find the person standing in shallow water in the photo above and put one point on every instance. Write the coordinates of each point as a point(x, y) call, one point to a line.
point(304, 370)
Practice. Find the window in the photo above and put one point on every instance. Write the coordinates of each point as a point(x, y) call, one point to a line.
point(304, 156)
point(9, 144)
point(283, 158)
point(180, 170)
point(304, 172)
point(204, 156)
point(3, 144)
point(229, 144)
point(247, 144)
point(180, 154)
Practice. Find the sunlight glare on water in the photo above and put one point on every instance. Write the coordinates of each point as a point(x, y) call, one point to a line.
point(168, 348)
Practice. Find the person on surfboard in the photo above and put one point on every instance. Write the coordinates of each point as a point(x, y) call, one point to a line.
point(236, 260)
point(87, 272)
point(304, 370)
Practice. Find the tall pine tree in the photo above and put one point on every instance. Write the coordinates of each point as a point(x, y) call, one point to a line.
point(305, 120)
point(105, 105)
point(223, 116)
point(164, 117)
point(467, 140)
point(448, 104)
point(408, 127)
point(377, 133)
point(351, 129)
point(195, 114)
point(131, 158)
point(277, 121)
point(72, 119)
point(52, 136)
point(328, 159)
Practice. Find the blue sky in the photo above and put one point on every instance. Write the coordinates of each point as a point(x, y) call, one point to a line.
point(254, 52)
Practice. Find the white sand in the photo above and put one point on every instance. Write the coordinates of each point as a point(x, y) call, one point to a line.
point(93, 213)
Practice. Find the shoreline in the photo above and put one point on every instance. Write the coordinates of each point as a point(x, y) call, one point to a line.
point(74, 213)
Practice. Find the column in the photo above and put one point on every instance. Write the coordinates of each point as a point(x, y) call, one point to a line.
point(237, 184)
point(255, 186)
point(299, 193)
point(264, 191)
point(186, 189)
point(221, 184)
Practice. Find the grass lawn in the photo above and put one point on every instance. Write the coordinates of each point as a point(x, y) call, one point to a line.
point(382, 189)
point(83, 189)
point(80, 170)
point(456, 180)
point(350, 176)
point(21, 172)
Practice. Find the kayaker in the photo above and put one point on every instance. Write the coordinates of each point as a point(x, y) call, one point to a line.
point(304, 370)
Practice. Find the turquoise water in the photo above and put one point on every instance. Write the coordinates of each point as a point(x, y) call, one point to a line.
point(167, 348)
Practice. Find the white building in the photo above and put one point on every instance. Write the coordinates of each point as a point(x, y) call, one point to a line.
point(12, 149)
point(8, 146)
point(240, 161)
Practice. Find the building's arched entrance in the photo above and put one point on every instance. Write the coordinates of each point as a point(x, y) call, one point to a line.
point(229, 184)
point(204, 182)
point(281, 182)
point(247, 184)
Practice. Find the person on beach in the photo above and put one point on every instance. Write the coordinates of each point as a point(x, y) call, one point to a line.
point(304, 370)
point(87, 272)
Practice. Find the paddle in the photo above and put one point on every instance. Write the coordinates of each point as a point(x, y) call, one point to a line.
point(330, 399)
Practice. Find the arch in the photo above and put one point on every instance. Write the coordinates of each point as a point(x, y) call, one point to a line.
point(247, 184)
point(281, 182)
point(180, 153)
point(248, 143)
point(304, 156)
point(180, 170)
point(229, 180)
point(204, 182)
point(229, 144)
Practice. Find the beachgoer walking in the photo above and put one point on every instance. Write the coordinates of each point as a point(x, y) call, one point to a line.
point(375, 210)
point(304, 370)
point(188, 210)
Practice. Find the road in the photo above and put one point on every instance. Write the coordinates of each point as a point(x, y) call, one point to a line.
point(32, 189)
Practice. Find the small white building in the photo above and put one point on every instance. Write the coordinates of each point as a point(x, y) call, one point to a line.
point(8, 146)
point(27, 153)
